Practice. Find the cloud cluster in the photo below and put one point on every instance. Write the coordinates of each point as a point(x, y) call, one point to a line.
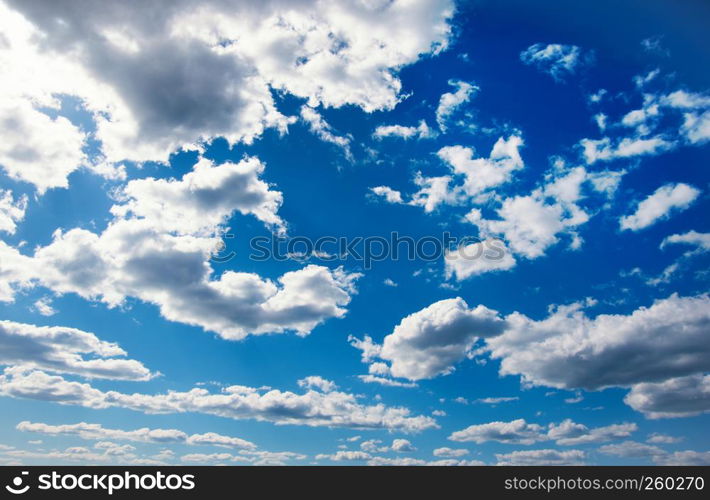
point(660, 352)
point(558, 60)
point(220, 62)
point(566, 433)
point(311, 408)
point(66, 350)
point(158, 247)
point(143, 435)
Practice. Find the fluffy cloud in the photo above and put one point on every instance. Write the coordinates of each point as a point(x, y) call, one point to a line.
point(11, 210)
point(389, 194)
point(659, 205)
point(631, 449)
point(203, 199)
point(431, 341)
point(480, 174)
point(700, 240)
point(446, 452)
point(531, 223)
point(542, 457)
point(565, 433)
point(36, 148)
point(162, 227)
point(569, 350)
point(450, 101)
point(555, 59)
point(143, 435)
point(515, 432)
point(220, 61)
point(402, 446)
point(605, 150)
point(65, 350)
point(312, 408)
point(345, 456)
point(421, 131)
point(675, 397)
point(478, 258)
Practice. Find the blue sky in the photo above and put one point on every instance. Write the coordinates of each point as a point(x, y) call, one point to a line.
point(136, 136)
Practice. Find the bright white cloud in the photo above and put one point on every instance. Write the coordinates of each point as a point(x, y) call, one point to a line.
point(311, 408)
point(558, 60)
point(659, 205)
point(449, 102)
point(421, 131)
point(324, 131)
point(675, 397)
point(66, 350)
point(477, 258)
point(431, 341)
point(143, 435)
point(12, 210)
point(694, 238)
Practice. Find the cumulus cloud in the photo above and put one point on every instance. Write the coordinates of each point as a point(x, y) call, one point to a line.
point(220, 62)
point(402, 446)
point(12, 210)
point(431, 341)
point(143, 435)
point(675, 397)
point(532, 223)
point(659, 205)
point(344, 456)
point(446, 452)
point(631, 449)
point(311, 408)
point(158, 249)
point(202, 199)
point(568, 350)
point(480, 174)
point(514, 432)
point(449, 102)
point(558, 60)
point(542, 457)
point(477, 258)
point(421, 131)
point(66, 350)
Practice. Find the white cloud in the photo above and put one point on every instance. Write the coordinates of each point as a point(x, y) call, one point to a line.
point(675, 397)
point(164, 226)
point(345, 456)
point(659, 438)
point(481, 174)
point(44, 307)
point(402, 446)
point(477, 258)
point(604, 150)
point(317, 382)
point(202, 199)
point(143, 435)
point(431, 341)
point(388, 382)
point(558, 60)
point(66, 350)
point(569, 350)
point(36, 148)
point(451, 101)
point(659, 205)
point(421, 131)
point(12, 210)
point(389, 194)
point(220, 61)
point(631, 449)
point(446, 452)
point(687, 457)
point(312, 408)
point(700, 240)
point(542, 457)
point(324, 131)
point(497, 400)
point(514, 432)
